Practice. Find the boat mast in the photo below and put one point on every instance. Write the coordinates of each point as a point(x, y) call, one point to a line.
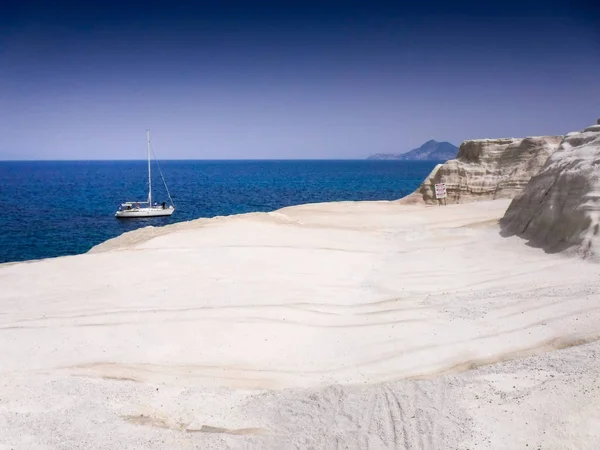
point(149, 171)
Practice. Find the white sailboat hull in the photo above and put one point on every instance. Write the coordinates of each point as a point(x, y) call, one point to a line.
point(144, 212)
point(132, 210)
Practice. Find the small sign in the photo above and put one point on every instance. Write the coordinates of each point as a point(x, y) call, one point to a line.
point(440, 190)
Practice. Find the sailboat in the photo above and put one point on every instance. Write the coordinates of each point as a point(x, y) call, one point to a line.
point(147, 209)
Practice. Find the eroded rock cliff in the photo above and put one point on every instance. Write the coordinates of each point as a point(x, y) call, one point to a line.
point(486, 169)
point(559, 209)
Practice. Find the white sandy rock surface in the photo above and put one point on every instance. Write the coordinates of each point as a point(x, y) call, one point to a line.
point(342, 325)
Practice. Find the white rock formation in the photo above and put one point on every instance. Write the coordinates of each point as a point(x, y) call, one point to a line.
point(487, 169)
point(559, 210)
point(330, 326)
point(594, 127)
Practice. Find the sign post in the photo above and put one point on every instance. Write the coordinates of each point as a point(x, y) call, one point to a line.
point(440, 193)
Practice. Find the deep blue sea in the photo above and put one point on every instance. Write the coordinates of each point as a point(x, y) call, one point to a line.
point(63, 208)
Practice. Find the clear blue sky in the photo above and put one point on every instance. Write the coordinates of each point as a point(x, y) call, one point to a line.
point(290, 79)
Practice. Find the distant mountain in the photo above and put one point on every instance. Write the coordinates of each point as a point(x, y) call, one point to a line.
point(429, 151)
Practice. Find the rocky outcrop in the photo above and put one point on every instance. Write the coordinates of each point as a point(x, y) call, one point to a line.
point(487, 169)
point(559, 209)
point(594, 127)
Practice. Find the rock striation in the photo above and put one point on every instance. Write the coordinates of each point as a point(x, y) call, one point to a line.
point(559, 209)
point(487, 169)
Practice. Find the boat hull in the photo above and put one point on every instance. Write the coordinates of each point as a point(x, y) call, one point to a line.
point(144, 212)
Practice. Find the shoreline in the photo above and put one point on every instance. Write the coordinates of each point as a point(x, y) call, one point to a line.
point(191, 224)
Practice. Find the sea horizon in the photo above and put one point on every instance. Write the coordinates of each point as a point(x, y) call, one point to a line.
point(207, 160)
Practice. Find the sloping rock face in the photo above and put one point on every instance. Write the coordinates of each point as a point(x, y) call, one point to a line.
point(487, 169)
point(559, 210)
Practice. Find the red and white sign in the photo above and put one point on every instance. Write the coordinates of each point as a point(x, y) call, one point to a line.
point(440, 190)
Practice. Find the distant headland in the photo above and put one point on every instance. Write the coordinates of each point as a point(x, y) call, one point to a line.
point(429, 151)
